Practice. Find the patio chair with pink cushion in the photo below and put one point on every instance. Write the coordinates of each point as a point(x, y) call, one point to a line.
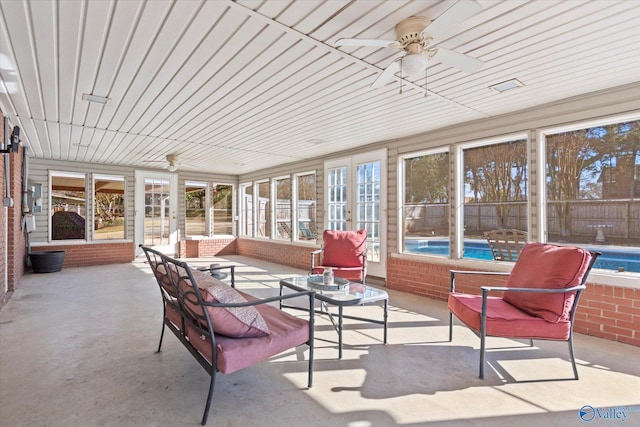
point(538, 301)
point(345, 252)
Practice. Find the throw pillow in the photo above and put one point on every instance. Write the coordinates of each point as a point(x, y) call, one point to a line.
point(344, 248)
point(235, 322)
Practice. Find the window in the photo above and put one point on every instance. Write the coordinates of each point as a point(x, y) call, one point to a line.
point(495, 192)
point(223, 209)
point(593, 186)
point(305, 201)
point(246, 209)
point(337, 201)
point(68, 206)
point(283, 208)
point(195, 196)
point(425, 209)
point(109, 212)
point(263, 210)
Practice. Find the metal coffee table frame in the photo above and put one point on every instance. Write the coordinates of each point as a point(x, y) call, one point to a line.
point(357, 294)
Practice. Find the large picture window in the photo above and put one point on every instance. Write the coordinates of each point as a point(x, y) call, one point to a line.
point(109, 211)
point(495, 192)
point(195, 196)
point(246, 210)
point(283, 208)
point(306, 205)
point(263, 209)
point(593, 185)
point(68, 206)
point(425, 208)
point(222, 209)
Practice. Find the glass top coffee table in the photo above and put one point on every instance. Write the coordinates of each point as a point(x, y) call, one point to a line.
point(353, 294)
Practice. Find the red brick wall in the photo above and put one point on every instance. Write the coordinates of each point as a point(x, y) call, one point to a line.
point(12, 242)
point(17, 245)
point(611, 312)
point(297, 256)
point(207, 247)
point(3, 222)
point(92, 254)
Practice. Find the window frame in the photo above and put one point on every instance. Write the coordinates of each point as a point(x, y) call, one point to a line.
point(274, 207)
point(211, 210)
point(207, 209)
point(541, 159)
point(401, 191)
point(69, 174)
point(295, 227)
point(244, 228)
point(95, 177)
point(457, 243)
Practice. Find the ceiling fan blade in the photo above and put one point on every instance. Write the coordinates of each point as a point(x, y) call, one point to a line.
point(458, 60)
point(386, 75)
point(452, 17)
point(365, 42)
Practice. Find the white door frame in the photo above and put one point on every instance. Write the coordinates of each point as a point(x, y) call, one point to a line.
point(374, 268)
point(140, 177)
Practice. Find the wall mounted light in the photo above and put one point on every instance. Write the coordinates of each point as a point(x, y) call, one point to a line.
point(13, 145)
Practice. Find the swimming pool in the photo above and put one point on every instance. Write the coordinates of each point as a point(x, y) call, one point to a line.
point(616, 259)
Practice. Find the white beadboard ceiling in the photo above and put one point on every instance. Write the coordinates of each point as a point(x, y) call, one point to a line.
point(237, 86)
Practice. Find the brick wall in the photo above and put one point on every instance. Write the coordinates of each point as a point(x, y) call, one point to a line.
point(207, 247)
point(605, 311)
point(298, 256)
point(82, 255)
point(3, 221)
point(12, 241)
point(17, 244)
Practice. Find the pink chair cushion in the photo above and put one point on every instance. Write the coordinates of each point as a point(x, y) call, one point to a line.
point(550, 267)
point(287, 331)
point(505, 320)
point(343, 248)
point(238, 322)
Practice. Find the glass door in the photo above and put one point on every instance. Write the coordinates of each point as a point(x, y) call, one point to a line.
point(356, 199)
point(156, 211)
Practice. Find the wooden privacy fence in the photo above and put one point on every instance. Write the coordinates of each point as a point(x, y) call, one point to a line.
point(620, 218)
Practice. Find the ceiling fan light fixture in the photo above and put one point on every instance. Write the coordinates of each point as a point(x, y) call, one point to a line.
point(413, 64)
point(172, 160)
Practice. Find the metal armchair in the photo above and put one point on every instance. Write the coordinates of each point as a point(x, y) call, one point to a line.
point(538, 301)
point(345, 252)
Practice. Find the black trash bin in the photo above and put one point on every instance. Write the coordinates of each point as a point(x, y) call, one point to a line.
point(47, 261)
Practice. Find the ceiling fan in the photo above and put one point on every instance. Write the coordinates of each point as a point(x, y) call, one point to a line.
point(414, 36)
point(171, 161)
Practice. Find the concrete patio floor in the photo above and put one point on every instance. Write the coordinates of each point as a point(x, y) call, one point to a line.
point(77, 348)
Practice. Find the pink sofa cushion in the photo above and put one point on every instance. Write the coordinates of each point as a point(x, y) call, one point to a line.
point(505, 320)
point(230, 321)
point(550, 267)
point(233, 354)
point(343, 248)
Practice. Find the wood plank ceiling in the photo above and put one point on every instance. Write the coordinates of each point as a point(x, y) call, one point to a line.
point(237, 86)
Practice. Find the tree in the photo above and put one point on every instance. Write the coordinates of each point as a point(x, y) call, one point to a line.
point(497, 174)
point(427, 179)
point(577, 160)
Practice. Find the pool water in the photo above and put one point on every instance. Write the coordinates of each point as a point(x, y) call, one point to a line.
point(617, 259)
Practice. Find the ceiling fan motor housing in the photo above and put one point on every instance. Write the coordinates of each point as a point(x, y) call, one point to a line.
point(410, 30)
